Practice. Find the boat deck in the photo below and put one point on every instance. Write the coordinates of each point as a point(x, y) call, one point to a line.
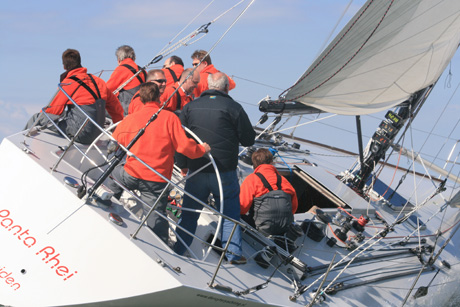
point(144, 267)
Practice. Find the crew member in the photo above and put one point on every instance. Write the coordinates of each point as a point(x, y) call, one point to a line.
point(205, 69)
point(173, 69)
point(89, 92)
point(219, 120)
point(156, 76)
point(156, 147)
point(125, 70)
point(268, 201)
point(182, 94)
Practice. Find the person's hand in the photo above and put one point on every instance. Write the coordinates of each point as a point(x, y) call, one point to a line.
point(207, 148)
point(184, 172)
point(112, 147)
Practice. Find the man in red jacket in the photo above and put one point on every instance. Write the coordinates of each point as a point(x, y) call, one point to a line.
point(271, 216)
point(125, 70)
point(156, 147)
point(89, 92)
point(156, 76)
point(184, 94)
point(205, 69)
point(173, 69)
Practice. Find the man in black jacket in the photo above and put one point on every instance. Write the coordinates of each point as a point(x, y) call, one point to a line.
point(222, 123)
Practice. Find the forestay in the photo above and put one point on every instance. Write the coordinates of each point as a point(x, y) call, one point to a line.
point(389, 50)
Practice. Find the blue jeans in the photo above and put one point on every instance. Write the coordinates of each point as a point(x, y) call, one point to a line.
point(150, 191)
point(200, 185)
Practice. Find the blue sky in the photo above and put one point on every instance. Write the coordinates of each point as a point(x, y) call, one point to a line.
point(272, 44)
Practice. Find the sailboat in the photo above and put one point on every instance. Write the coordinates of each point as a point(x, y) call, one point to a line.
point(356, 240)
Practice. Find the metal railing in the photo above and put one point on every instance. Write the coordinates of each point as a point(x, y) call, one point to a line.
point(170, 183)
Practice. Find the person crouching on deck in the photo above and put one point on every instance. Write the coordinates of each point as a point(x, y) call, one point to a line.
point(161, 139)
point(89, 92)
point(268, 213)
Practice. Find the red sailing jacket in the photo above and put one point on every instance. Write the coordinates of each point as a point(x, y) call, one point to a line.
point(83, 97)
point(203, 85)
point(161, 139)
point(253, 187)
point(173, 103)
point(177, 69)
point(122, 74)
point(136, 103)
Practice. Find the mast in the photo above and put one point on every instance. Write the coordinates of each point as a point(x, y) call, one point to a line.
point(385, 136)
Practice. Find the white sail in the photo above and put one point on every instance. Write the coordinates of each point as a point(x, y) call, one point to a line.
point(389, 50)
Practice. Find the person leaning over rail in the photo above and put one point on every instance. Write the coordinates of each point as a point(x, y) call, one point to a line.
point(173, 69)
point(89, 92)
point(268, 201)
point(156, 147)
point(184, 94)
point(156, 76)
point(125, 70)
point(219, 120)
point(205, 69)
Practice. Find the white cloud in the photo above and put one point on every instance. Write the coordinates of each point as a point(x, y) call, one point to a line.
point(14, 117)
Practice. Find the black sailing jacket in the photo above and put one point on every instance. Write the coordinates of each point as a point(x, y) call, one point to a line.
point(221, 122)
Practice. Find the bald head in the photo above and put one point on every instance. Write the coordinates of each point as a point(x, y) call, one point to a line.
point(158, 77)
point(218, 81)
point(191, 83)
point(172, 61)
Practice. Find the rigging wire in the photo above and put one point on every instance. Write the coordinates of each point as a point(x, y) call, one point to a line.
point(218, 17)
point(191, 21)
point(394, 173)
point(298, 121)
point(246, 103)
point(202, 29)
point(282, 125)
point(259, 83)
point(307, 123)
point(415, 129)
point(343, 129)
point(199, 14)
point(381, 234)
point(334, 29)
point(381, 237)
point(437, 122)
point(225, 33)
point(183, 42)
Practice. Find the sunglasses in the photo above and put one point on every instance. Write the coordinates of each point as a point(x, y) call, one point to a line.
point(195, 64)
point(160, 80)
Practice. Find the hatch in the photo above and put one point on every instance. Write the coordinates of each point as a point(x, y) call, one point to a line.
point(317, 188)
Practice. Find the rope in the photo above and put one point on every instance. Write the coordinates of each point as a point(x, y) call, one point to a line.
point(343, 270)
point(381, 233)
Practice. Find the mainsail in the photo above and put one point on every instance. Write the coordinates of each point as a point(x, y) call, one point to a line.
point(389, 50)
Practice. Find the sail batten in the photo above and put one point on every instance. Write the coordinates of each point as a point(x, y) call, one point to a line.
point(389, 50)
